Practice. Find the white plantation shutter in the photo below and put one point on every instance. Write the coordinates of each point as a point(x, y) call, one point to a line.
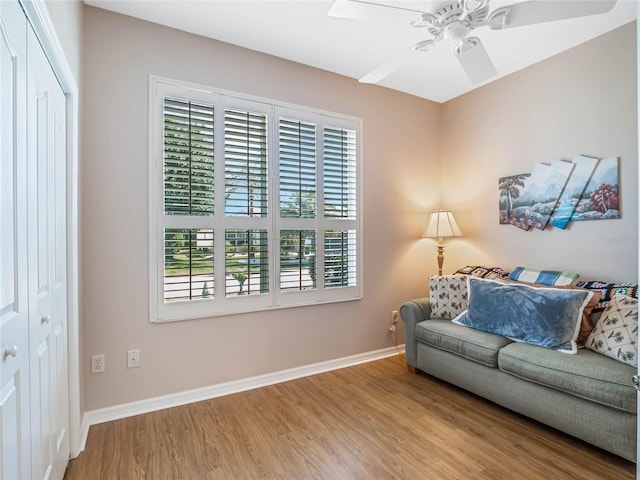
point(297, 260)
point(247, 273)
point(339, 173)
point(340, 207)
point(188, 264)
point(188, 157)
point(298, 186)
point(246, 196)
point(234, 230)
point(297, 174)
point(188, 191)
point(245, 161)
point(340, 258)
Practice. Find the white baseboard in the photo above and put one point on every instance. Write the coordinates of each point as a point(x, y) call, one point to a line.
point(124, 410)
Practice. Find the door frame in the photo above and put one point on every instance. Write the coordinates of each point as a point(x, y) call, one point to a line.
point(38, 15)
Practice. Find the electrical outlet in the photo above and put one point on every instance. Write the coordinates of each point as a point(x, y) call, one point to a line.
point(133, 358)
point(97, 363)
point(394, 320)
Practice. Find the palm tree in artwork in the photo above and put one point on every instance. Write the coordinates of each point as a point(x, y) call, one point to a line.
point(510, 188)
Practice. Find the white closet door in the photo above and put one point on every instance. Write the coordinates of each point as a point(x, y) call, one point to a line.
point(15, 451)
point(47, 266)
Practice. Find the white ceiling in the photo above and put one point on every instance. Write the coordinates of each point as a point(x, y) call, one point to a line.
point(301, 31)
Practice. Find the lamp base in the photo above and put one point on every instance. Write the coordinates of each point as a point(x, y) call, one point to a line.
point(440, 258)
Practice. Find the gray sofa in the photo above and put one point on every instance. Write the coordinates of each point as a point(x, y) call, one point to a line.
point(586, 395)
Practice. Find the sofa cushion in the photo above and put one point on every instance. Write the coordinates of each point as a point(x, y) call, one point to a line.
point(480, 347)
point(586, 374)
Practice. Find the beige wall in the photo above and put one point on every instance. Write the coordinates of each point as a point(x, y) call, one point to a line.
point(401, 184)
point(583, 101)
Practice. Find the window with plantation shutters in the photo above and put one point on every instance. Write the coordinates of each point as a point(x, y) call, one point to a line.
point(254, 205)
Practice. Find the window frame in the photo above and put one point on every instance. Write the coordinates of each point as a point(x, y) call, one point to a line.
point(220, 304)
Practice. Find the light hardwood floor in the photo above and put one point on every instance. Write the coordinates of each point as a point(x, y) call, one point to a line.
point(372, 421)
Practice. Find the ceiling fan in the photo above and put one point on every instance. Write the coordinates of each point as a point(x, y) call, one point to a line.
point(455, 20)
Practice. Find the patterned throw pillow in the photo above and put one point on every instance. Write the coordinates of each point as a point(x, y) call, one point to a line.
point(616, 334)
point(483, 272)
point(551, 278)
point(609, 290)
point(447, 295)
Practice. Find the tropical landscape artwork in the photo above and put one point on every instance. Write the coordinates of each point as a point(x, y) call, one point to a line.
point(584, 189)
point(573, 191)
point(600, 200)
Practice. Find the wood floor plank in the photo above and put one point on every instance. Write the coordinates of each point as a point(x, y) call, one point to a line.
point(371, 421)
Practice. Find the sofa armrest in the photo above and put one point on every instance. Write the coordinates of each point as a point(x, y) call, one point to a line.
point(413, 312)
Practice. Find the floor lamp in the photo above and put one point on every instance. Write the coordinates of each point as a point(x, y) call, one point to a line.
point(441, 225)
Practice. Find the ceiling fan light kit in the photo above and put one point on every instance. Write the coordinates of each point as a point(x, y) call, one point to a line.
point(456, 31)
point(455, 20)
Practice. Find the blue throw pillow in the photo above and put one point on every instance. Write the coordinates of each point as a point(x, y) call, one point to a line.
point(544, 316)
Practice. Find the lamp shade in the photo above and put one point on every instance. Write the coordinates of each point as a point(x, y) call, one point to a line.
point(442, 225)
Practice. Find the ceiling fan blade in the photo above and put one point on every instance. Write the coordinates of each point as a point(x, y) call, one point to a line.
point(388, 67)
point(541, 11)
point(475, 60)
point(364, 10)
